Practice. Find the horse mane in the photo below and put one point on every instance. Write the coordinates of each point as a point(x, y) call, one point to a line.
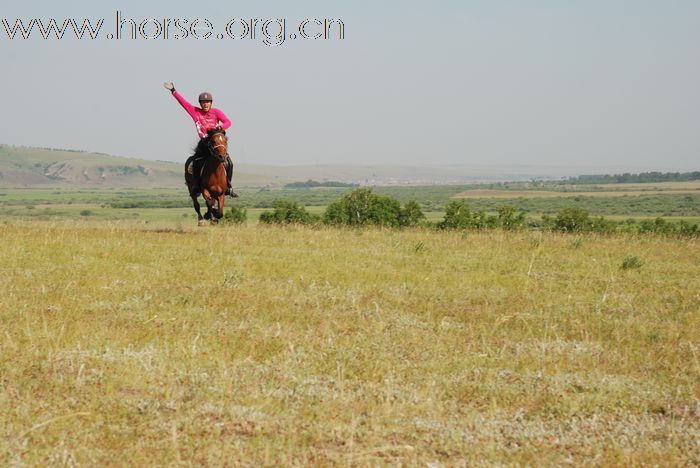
point(214, 131)
point(201, 150)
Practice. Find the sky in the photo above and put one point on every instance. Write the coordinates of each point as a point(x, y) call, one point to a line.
point(490, 82)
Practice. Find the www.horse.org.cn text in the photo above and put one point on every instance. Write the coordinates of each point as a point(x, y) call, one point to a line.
point(267, 31)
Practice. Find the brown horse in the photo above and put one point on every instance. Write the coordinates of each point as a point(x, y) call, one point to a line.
point(212, 183)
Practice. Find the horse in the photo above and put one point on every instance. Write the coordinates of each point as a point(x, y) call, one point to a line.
point(212, 183)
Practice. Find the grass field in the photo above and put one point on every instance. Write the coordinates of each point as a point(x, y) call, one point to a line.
point(174, 206)
point(124, 343)
point(485, 193)
point(568, 190)
point(660, 186)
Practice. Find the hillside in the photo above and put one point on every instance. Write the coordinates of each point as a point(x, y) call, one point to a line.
point(394, 174)
point(45, 167)
point(36, 167)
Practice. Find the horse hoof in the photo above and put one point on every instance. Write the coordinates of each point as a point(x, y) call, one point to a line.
point(214, 221)
point(201, 222)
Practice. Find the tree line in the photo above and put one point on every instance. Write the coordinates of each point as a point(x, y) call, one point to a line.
point(314, 183)
point(642, 177)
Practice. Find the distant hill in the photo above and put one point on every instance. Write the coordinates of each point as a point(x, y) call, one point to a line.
point(386, 175)
point(32, 167)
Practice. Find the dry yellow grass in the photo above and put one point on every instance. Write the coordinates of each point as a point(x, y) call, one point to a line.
point(254, 345)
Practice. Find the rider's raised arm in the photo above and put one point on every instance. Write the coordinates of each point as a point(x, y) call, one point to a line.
point(184, 103)
point(225, 121)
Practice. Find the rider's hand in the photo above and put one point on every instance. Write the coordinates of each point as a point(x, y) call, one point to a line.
point(169, 86)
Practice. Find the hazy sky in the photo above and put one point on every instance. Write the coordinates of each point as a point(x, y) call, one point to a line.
point(559, 82)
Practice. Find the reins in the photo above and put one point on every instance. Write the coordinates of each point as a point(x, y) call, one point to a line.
point(217, 156)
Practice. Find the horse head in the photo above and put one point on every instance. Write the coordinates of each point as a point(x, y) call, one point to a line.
point(218, 144)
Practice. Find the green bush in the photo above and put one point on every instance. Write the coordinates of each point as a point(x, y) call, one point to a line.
point(508, 219)
point(363, 207)
point(667, 228)
point(687, 229)
point(656, 226)
point(287, 212)
point(411, 214)
point(236, 215)
point(458, 215)
point(602, 225)
point(573, 220)
point(85, 213)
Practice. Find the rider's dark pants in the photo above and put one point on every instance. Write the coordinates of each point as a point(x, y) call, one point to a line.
point(229, 169)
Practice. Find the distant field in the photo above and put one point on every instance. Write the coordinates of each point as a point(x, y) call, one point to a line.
point(688, 185)
point(599, 190)
point(174, 206)
point(317, 346)
point(551, 194)
point(65, 169)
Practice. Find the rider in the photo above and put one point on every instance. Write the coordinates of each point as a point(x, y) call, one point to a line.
point(206, 118)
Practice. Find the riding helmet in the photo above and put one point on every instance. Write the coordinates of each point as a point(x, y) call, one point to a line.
point(205, 97)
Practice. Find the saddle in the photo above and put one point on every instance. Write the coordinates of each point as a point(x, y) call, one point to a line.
point(195, 166)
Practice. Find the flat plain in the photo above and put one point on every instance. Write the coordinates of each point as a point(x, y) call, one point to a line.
point(129, 343)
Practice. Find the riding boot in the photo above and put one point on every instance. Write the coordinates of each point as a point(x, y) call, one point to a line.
point(229, 175)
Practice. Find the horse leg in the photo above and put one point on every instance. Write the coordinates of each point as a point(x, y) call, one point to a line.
point(195, 202)
point(209, 201)
point(220, 206)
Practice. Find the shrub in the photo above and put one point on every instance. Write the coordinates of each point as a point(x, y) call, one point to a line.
point(572, 220)
point(457, 216)
point(657, 226)
point(687, 229)
point(602, 225)
point(547, 222)
point(363, 207)
point(507, 219)
point(236, 215)
point(85, 213)
point(411, 214)
point(481, 220)
point(288, 212)
point(663, 227)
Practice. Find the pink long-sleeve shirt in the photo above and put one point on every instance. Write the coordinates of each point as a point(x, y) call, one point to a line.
point(204, 121)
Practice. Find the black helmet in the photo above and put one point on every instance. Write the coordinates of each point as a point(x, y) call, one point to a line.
point(205, 97)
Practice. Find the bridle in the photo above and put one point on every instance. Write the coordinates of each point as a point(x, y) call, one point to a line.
point(216, 155)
